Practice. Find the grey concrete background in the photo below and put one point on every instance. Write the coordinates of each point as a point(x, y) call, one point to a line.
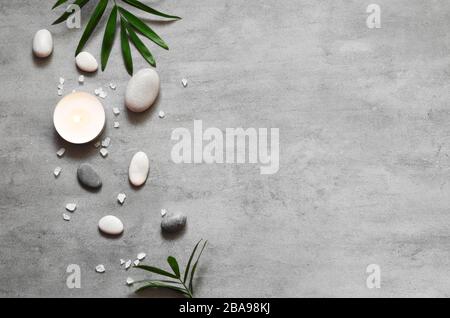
point(364, 137)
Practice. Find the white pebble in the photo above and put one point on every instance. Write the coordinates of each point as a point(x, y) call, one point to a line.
point(136, 262)
point(71, 207)
point(81, 79)
point(142, 90)
point(162, 114)
point(66, 217)
point(110, 225)
point(104, 152)
point(116, 124)
point(163, 212)
point(121, 197)
point(57, 171)
point(130, 281)
point(184, 82)
point(100, 268)
point(141, 256)
point(42, 43)
point(138, 170)
point(112, 86)
point(116, 111)
point(86, 62)
point(128, 264)
point(61, 152)
point(106, 142)
point(122, 261)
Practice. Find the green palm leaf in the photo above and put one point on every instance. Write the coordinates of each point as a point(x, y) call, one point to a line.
point(157, 284)
point(91, 25)
point(174, 265)
point(186, 271)
point(143, 7)
point(156, 270)
point(143, 28)
point(140, 46)
point(195, 267)
point(108, 38)
point(126, 52)
point(65, 15)
point(58, 3)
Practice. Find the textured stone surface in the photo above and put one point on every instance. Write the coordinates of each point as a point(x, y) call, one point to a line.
point(173, 222)
point(88, 177)
point(364, 149)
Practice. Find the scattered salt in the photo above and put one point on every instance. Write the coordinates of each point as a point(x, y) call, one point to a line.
point(71, 207)
point(163, 212)
point(130, 281)
point(141, 256)
point(136, 262)
point(61, 152)
point(112, 86)
point(100, 268)
point(162, 114)
point(116, 111)
point(61, 80)
point(121, 197)
point(122, 261)
point(97, 144)
point(103, 152)
point(106, 142)
point(81, 79)
point(57, 171)
point(66, 217)
point(60, 92)
point(184, 82)
point(116, 124)
point(128, 264)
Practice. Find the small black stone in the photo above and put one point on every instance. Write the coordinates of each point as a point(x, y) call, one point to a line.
point(88, 177)
point(173, 222)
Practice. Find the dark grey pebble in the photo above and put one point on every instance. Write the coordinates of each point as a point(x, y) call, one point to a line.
point(88, 177)
point(173, 222)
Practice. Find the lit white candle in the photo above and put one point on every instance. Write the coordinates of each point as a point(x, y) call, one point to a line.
point(79, 117)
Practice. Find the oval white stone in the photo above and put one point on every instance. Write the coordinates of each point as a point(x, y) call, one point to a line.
point(86, 62)
point(142, 90)
point(110, 225)
point(138, 170)
point(42, 43)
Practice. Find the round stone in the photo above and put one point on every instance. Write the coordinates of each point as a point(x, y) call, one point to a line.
point(86, 62)
point(173, 222)
point(138, 170)
point(110, 225)
point(88, 177)
point(42, 43)
point(142, 90)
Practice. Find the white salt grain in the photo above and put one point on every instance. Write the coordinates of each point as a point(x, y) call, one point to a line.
point(103, 152)
point(112, 86)
point(66, 217)
point(121, 197)
point(163, 212)
point(57, 171)
point(128, 264)
point(106, 142)
point(100, 268)
point(116, 124)
point(141, 256)
point(162, 114)
point(122, 261)
point(96, 91)
point(60, 92)
point(81, 79)
point(184, 82)
point(103, 94)
point(61, 80)
point(97, 144)
point(130, 281)
point(71, 207)
point(61, 152)
point(116, 111)
point(60, 86)
point(136, 262)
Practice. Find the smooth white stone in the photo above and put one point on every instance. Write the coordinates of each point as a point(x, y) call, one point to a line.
point(121, 197)
point(128, 264)
point(142, 90)
point(141, 256)
point(57, 171)
point(86, 62)
point(71, 207)
point(100, 268)
point(66, 217)
point(110, 225)
point(130, 281)
point(61, 152)
point(138, 171)
point(43, 43)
